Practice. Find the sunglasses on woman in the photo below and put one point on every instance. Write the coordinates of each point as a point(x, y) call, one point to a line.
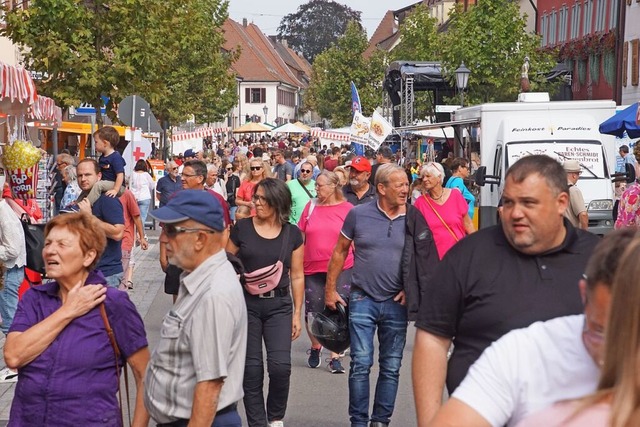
point(256, 168)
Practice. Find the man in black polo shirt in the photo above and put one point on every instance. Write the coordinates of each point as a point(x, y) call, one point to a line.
point(501, 278)
point(359, 190)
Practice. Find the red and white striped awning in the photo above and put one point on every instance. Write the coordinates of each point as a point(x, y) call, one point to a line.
point(334, 136)
point(16, 84)
point(45, 110)
point(200, 133)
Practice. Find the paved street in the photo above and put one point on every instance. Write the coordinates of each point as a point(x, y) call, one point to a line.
point(317, 398)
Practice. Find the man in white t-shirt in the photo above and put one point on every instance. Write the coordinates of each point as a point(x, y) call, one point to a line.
point(529, 369)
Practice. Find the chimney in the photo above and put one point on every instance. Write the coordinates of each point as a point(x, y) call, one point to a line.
point(284, 42)
point(244, 22)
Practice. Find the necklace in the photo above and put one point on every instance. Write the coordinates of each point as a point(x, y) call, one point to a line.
point(439, 197)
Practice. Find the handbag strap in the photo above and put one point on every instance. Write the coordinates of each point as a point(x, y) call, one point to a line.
point(441, 220)
point(285, 243)
point(304, 188)
point(116, 351)
point(312, 205)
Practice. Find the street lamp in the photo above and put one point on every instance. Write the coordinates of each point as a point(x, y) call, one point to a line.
point(462, 79)
point(265, 110)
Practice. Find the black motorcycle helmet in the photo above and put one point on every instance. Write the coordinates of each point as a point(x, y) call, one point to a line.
point(331, 328)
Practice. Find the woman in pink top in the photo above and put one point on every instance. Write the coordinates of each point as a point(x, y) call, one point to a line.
point(445, 209)
point(617, 401)
point(321, 222)
point(244, 197)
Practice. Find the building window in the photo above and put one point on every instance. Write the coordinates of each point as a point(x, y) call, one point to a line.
point(588, 15)
point(255, 95)
point(544, 30)
point(625, 63)
point(575, 20)
point(601, 14)
point(613, 14)
point(286, 98)
point(562, 31)
point(553, 28)
point(634, 62)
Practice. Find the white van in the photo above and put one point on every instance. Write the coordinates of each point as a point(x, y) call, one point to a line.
point(502, 133)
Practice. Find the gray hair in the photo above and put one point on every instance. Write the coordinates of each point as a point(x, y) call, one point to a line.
point(71, 173)
point(170, 164)
point(66, 159)
point(433, 168)
point(333, 179)
point(212, 168)
point(384, 173)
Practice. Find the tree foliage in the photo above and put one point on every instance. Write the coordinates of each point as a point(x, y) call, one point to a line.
point(315, 26)
point(169, 52)
point(491, 39)
point(329, 92)
point(419, 38)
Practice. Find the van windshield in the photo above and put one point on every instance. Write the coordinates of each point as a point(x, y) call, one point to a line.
point(590, 154)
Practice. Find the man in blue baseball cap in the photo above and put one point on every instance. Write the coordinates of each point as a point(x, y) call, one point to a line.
point(204, 336)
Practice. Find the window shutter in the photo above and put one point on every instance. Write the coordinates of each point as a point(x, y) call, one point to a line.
point(263, 95)
point(625, 63)
point(634, 62)
point(247, 95)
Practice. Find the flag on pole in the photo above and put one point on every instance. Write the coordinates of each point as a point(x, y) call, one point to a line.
point(360, 129)
point(356, 108)
point(355, 100)
point(379, 129)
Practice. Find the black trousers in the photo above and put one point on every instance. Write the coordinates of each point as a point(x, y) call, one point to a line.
point(269, 320)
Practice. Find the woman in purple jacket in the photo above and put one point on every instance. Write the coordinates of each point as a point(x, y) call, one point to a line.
point(58, 340)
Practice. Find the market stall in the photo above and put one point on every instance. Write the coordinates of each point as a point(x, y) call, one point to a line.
point(26, 167)
point(182, 141)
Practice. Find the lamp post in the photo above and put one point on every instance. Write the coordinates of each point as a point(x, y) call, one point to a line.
point(265, 110)
point(462, 79)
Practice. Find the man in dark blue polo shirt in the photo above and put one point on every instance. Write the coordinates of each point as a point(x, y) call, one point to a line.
point(168, 184)
point(359, 191)
point(501, 278)
point(377, 298)
point(111, 215)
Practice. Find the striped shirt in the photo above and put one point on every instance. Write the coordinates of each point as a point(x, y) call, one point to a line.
point(203, 337)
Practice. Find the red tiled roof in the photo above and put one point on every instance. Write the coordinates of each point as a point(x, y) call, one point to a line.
point(299, 66)
point(258, 59)
point(386, 29)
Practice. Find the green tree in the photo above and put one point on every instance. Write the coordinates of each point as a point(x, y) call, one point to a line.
point(170, 54)
point(419, 38)
point(419, 41)
point(315, 26)
point(491, 39)
point(329, 92)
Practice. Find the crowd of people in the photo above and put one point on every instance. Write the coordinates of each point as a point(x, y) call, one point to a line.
point(258, 237)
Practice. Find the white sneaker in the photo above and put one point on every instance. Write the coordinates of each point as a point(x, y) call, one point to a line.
point(8, 375)
point(276, 424)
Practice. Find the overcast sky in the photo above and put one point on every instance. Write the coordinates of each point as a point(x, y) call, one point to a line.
point(267, 14)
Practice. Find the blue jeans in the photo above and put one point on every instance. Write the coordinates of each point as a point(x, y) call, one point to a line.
point(143, 205)
point(113, 281)
point(9, 296)
point(390, 319)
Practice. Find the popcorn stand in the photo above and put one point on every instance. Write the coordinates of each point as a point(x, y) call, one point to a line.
point(25, 166)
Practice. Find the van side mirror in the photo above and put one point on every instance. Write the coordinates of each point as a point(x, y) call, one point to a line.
point(628, 176)
point(630, 171)
point(482, 178)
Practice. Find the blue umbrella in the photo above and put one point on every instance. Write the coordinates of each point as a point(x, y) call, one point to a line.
point(626, 120)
